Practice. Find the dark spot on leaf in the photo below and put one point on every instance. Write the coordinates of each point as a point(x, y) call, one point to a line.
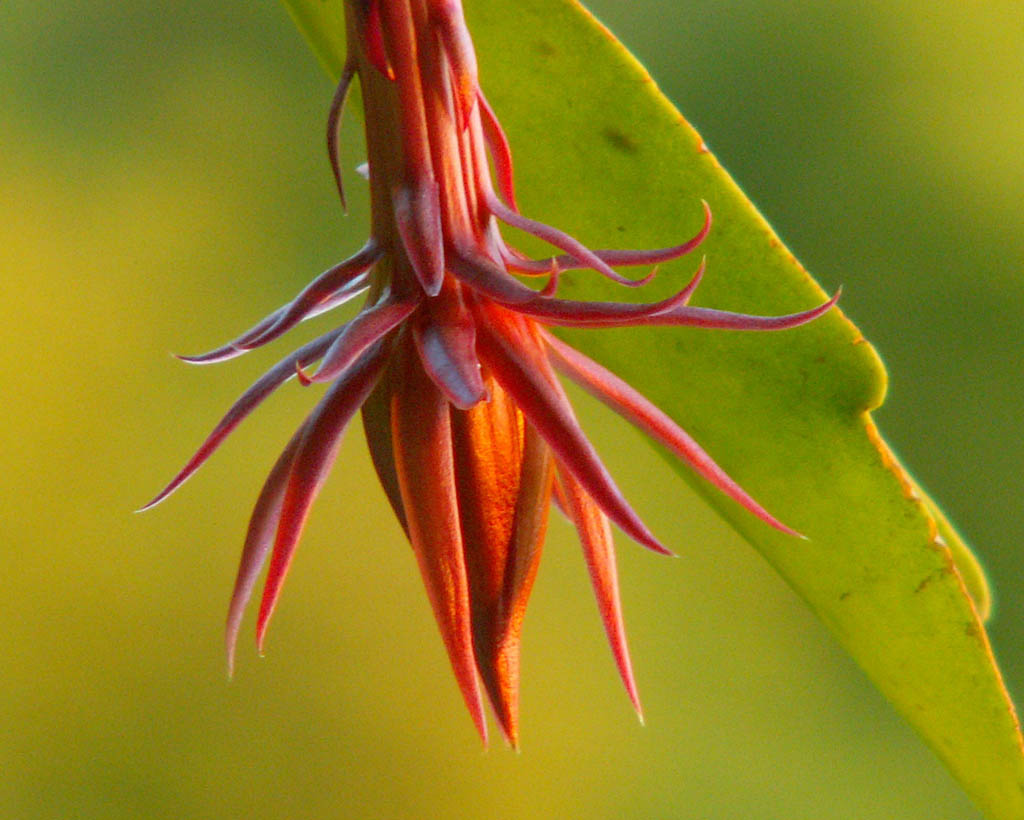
point(844, 595)
point(620, 140)
point(933, 576)
point(545, 47)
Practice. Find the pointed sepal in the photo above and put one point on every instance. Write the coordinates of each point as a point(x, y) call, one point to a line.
point(422, 440)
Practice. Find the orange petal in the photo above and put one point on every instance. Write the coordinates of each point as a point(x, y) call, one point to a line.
point(422, 443)
point(510, 346)
point(504, 477)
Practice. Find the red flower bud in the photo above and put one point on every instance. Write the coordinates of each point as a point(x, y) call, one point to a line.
point(467, 423)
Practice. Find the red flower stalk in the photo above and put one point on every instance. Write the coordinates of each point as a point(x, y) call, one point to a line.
point(453, 366)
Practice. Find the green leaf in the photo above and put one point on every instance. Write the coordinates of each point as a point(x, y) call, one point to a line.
point(322, 23)
point(601, 153)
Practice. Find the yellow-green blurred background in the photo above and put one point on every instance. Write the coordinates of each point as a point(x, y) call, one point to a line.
point(163, 184)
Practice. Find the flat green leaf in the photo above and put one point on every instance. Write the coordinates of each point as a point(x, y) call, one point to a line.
point(601, 153)
point(322, 22)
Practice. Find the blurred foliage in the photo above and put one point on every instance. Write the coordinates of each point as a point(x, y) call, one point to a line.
point(162, 183)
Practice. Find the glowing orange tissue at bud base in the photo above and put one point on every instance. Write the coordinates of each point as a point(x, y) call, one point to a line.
point(453, 366)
